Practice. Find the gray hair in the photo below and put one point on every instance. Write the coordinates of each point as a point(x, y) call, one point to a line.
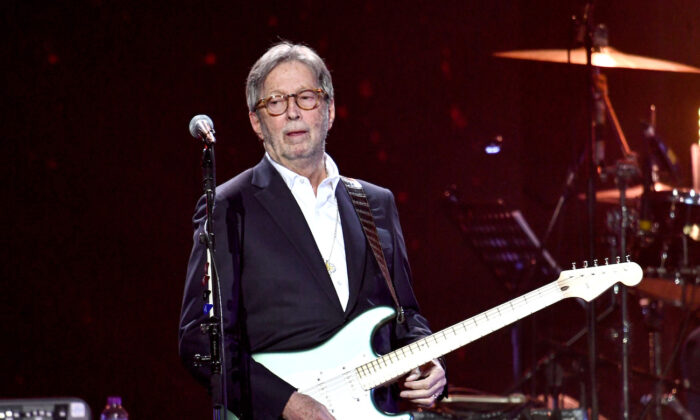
point(278, 54)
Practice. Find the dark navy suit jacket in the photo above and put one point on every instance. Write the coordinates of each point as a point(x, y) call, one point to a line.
point(265, 249)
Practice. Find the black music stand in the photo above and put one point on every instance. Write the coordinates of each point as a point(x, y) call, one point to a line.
point(502, 238)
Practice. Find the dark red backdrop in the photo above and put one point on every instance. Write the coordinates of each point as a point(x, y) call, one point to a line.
point(102, 176)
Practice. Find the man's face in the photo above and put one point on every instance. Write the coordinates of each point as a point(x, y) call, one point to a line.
point(296, 137)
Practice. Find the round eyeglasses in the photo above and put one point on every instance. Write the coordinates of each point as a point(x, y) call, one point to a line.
point(306, 99)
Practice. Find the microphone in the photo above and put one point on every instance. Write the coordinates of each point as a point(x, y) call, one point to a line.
point(661, 152)
point(202, 127)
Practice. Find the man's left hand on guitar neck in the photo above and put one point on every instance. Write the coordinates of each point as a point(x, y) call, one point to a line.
point(424, 385)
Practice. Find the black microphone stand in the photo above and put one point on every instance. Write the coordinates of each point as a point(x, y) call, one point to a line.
point(214, 325)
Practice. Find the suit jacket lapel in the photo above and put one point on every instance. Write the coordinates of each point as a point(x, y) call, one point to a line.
point(276, 198)
point(355, 244)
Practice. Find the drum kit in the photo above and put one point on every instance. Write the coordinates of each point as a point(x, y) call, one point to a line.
point(657, 223)
point(664, 220)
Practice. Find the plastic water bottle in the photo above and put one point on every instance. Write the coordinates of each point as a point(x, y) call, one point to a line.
point(114, 410)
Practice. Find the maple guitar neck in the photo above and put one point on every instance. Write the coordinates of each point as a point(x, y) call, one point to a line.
point(586, 283)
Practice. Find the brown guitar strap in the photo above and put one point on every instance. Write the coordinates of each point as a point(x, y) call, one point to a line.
point(364, 212)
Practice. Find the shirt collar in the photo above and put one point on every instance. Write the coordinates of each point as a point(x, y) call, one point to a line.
point(290, 177)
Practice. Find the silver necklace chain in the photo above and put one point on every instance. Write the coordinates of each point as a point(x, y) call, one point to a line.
point(330, 267)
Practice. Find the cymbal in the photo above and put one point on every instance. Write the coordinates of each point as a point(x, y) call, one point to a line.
point(612, 196)
point(604, 57)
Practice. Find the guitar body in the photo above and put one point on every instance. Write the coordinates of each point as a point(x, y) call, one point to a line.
point(327, 372)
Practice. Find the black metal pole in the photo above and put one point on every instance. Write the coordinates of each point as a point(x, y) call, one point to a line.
point(214, 326)
point(622, 181)
point(590, 204)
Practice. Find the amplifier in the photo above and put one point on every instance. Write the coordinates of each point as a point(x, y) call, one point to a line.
point(45, 409)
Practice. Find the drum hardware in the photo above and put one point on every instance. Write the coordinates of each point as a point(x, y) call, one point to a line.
point(683, 291)
point(596, 54)
point(668, 234)
point(670, 277)
point(672, 402)
point(625, 170)
point(653, 318)
point(559, 349)
point(658, 398)
point(633, 193)
point(667, 244)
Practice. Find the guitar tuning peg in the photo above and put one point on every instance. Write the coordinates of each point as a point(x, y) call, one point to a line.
point(585, 264)
point(606, 261)
point(573, 266)
point(595, 263)
point(618, 259)
point(627, 258)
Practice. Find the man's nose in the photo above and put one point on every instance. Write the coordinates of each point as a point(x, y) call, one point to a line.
point(293, 111)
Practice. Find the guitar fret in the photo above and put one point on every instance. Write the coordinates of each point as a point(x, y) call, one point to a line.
point(391, 365)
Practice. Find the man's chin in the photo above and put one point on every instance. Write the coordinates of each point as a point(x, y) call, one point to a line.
point(299, 155)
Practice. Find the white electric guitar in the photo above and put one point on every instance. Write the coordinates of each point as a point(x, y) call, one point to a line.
point(342, 372)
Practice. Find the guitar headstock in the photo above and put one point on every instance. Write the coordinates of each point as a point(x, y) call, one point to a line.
point(589, 282)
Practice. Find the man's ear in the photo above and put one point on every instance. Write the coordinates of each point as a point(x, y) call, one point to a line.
point(331, 113)
point(255, 123)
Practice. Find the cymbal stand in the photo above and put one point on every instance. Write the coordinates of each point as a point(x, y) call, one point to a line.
point(586, 35)
point(600, 106)
point(669, 399)
point(653, 318)
point(624, 170)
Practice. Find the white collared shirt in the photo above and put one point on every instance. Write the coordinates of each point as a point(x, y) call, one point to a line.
point(323, 217)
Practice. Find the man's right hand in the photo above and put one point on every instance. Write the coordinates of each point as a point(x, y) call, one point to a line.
point(303, 407)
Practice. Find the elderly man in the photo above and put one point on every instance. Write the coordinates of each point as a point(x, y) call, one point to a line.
point(294, 263)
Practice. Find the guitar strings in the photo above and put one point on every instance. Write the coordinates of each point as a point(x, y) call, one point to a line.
point(338, 382)
point(546, 291)
point(553, 291)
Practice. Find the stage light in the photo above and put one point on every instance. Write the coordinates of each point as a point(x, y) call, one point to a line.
point(494, 146)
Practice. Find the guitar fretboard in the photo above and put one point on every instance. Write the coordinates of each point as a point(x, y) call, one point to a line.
point(585, 283)
point(386, 368)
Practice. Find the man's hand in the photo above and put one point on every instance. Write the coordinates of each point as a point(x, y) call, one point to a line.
point(303, 407)
point(423, 385)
